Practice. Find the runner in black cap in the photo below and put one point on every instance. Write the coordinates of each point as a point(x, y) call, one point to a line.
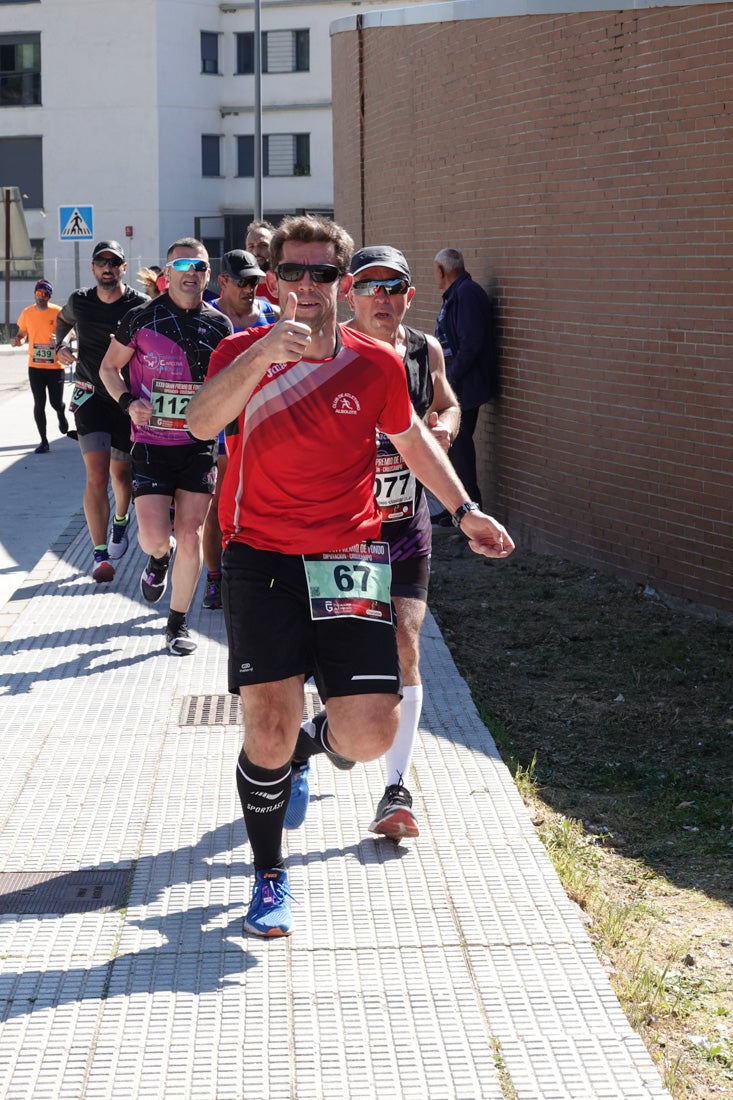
point(380, 298)
point(103, 429)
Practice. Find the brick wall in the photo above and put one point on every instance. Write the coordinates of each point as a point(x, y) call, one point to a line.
point(583, 161)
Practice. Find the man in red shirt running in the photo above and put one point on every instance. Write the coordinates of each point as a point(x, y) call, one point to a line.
point(306, 578)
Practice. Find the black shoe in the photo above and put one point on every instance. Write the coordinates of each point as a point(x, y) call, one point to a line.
point(42, 449)
point(394, 817)
point(72, 434)
point(179, 641)
point(212, 596)
point(154, 579)
point(339, 762)
point(308, 745)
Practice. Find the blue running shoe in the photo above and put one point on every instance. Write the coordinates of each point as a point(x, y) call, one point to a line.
point(269, 911)
point(299, 795)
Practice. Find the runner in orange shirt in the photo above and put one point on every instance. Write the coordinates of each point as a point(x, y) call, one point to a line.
point(37, 326)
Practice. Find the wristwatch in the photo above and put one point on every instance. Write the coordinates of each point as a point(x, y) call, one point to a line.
point(125, 400)
point(469, 506)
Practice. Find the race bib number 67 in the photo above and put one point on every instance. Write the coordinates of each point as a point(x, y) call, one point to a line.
point(354, 582)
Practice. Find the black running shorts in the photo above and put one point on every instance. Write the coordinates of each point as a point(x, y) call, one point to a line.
point(273, 637)
point(159, 471)
point(410, 578)
point(100, 414)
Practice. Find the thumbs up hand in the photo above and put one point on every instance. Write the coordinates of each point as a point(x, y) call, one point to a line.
point(288, 339)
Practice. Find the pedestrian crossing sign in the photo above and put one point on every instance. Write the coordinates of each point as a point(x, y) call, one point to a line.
point(76, 223)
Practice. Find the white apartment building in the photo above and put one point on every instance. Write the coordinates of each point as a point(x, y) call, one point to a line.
point(139, 114)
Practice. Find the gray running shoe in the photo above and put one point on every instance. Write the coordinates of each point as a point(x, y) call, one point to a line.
point(119, 542)
point(394, 817)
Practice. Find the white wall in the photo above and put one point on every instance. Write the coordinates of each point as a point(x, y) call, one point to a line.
point(98, 123)
point(124, 105)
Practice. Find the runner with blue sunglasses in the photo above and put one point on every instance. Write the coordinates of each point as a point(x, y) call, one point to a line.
point(164, 349)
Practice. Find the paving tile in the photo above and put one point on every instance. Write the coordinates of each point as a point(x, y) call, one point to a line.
point(411, 967)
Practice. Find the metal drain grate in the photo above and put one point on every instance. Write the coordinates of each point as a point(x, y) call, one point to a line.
point(211, 710)
point(225, 710)
point(26, 893)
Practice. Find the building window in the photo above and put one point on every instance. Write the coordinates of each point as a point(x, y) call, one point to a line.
point(214, 246)
point(246, 156)
point(282, 52)
point(246, 52)
point(209, 52)
point(282, 155)
point(34, 270)
point(286, 155)
point(20, 70)
point(285, 52)
point(33, 264)
point(21, 165)
point(210, 155)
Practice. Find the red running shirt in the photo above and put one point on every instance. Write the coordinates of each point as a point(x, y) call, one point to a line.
point(300, 477)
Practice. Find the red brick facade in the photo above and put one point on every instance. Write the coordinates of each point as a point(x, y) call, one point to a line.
point(584, 162)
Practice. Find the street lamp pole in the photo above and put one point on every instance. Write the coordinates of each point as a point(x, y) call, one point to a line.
point(258, 116)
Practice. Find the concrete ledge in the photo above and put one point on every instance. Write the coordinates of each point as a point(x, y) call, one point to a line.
point(492, 9)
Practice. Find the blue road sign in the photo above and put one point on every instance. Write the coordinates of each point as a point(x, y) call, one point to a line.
point(76, 223)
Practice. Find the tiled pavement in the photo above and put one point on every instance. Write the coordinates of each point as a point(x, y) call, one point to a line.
point(452, 966)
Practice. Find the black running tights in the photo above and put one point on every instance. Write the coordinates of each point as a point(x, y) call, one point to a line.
point(44, 380)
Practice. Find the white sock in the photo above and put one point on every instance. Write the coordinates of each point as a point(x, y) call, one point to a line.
point(397, 759)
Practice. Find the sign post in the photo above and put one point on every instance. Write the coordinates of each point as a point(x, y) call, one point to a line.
point(76, 223)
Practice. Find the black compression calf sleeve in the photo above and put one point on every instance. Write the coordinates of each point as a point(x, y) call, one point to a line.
point(264, 795)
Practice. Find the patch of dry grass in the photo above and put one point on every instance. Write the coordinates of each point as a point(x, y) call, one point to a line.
point(615, 713)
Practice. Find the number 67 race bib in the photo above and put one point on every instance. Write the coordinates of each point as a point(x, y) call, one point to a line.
point(354, 582)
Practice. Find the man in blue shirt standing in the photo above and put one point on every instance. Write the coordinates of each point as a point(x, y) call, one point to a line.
point(466, 329)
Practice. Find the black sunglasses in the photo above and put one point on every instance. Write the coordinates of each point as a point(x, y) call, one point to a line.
point(111, 261)
point(371, 286)
point(319, 273)
point(242, 283)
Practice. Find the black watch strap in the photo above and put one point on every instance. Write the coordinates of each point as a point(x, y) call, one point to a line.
point(469, 506)
point(125, 400)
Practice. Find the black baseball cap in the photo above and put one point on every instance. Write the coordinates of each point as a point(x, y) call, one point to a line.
point(240, 264)
point(109, 246)
point(380, 255)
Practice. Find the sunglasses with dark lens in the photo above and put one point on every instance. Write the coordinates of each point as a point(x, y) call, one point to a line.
point(319, 273)
point(188, 263)
point(244, 283)
point(42, 294)
point(369, 287)
point(109, 261)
